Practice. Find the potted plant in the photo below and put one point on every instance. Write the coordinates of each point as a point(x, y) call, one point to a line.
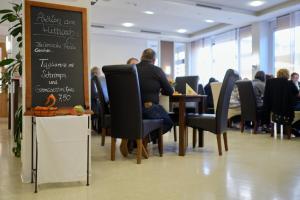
point(11, 66)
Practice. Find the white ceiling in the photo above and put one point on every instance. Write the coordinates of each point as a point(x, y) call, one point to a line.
point(239, 4)
point(171, 15)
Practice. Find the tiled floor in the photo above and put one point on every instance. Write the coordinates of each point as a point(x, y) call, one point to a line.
point(256, 167)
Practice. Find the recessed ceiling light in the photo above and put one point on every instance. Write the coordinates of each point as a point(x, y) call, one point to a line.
point(128, 24)
point(209, 21)
point(181, 30)
point(256, 3)
point(149, 12)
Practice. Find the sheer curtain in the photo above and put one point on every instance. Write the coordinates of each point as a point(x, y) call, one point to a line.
point(202, 59)
point(224, 54)
point(212, 56)
point(245, 52)
point(287, 42)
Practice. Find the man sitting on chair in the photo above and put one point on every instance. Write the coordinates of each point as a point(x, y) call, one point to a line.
point(152, 81)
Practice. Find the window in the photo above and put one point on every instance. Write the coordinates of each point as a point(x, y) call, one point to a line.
point(245, 52)
point(179, 59)
point(224, 54)
point(287, 42)
point(212, 56)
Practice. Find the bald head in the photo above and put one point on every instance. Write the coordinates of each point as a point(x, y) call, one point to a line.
point(149, 55)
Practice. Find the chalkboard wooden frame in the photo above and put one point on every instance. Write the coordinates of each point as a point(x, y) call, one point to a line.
point(28, 66)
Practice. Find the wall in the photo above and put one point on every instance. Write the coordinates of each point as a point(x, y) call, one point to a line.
point(108, 50)
point(26, 141)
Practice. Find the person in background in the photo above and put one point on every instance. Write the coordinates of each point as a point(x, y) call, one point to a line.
point(269, 76)
point(259, 87)
point(295, 79)
point(208, 92)
point(95, 102)
point(132, 61)
point(95, 71)
point(153, 81)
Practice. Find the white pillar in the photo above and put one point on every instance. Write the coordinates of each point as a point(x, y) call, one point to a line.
point(262, 51)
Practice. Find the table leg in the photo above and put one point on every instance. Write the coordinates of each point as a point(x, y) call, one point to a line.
point(182, 127)
point(201, 138)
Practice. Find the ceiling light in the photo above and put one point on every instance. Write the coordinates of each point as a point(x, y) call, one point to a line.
point(209, 21)
point(181, 30)
point(128, 24)
point(149, 12)
point(256, 3)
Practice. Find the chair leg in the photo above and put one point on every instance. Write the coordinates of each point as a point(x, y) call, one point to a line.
point(275, 130)
point(145, 144)
point(160, 144)
point(139, 151)
point(113, 149)
point(242, 125)
point(144, 152)
point(219, 143)
point(200, 138)
point(225, 141)
point(229, 121)
point(175, 133)
point(103, 134)
point(289, 132)
point(255, 126)
point(186, 136)
point(194, 137)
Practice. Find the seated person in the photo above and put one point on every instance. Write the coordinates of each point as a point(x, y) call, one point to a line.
point(153, 81)
point(295, 79)
point(132, 61)
point(235, 98)
point(95, 103)
point(208, 92)
point(280, 97)
point(259, 87)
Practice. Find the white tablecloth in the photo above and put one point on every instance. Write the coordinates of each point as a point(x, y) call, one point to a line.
point(62, 148)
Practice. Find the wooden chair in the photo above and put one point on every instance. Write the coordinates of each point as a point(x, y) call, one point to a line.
point(126, 110)
point(216, 123)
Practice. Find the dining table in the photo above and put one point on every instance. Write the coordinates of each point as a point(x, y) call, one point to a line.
point(182, 99)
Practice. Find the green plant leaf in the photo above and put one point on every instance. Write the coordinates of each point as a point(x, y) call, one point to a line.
point(6, 16)
point(16, 31)
point(14, 26)
point(5, 11)
point(19, 39)
point(6, 62)
point(12, 18)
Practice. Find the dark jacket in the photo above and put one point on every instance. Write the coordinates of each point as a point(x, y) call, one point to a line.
point(280, 97)
point(152, 81)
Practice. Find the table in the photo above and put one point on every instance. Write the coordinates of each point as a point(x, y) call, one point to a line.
point(183, 99)
point(60, 149)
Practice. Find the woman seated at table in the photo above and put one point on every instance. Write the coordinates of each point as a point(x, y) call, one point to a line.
point(259, 85)
point(153, 81)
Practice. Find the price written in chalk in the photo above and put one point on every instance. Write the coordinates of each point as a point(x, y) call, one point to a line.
point(64, 97)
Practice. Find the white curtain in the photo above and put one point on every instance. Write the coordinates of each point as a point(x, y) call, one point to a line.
point(212, 56)
point(287, 42)
point(245, 52)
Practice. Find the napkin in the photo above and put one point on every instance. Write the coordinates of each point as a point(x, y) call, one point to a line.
point(189, 90)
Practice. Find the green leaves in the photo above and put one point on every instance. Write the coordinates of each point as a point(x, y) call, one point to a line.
point(6, 62)
point(5, 11)
point(11, 66)
point(16, 31)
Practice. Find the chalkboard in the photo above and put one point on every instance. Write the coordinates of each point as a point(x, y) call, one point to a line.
point(56, 55)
